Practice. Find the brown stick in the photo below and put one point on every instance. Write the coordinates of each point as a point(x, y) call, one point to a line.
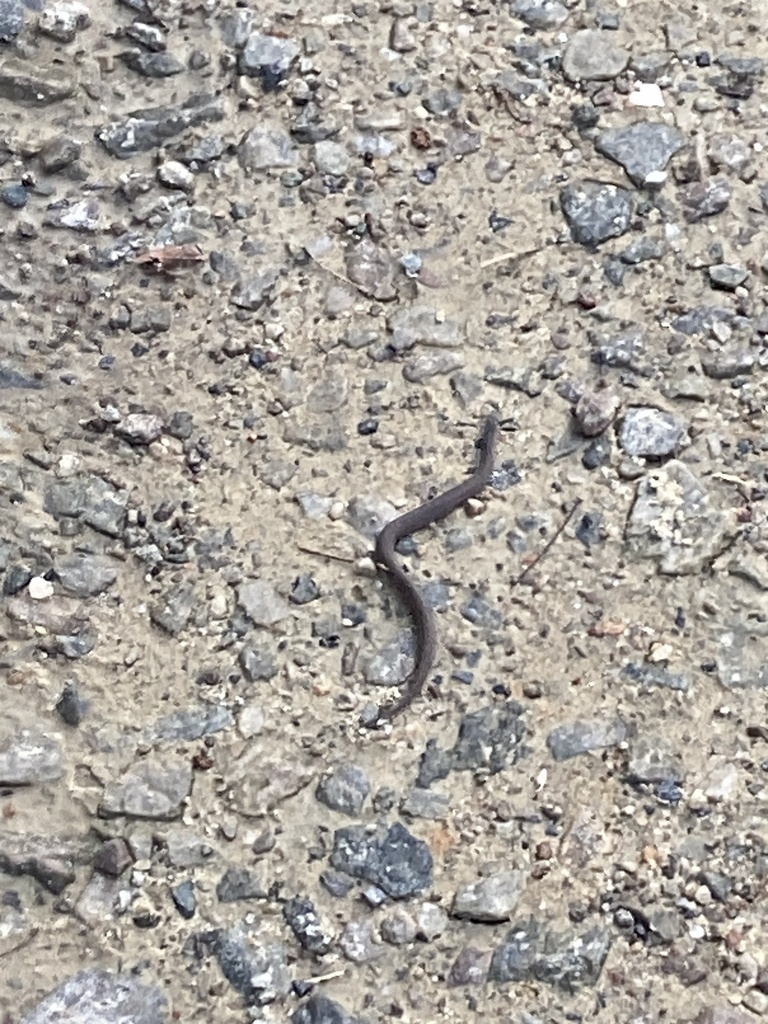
point(325, 554)
point(548, 545)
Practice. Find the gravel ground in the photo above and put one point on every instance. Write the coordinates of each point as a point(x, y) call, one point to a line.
point(265, 270)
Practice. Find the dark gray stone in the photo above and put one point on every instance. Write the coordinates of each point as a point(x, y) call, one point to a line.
point(185, 899)
point(240, 884)
point(564, 961)
point(319, 1009)
point(642, 149)
point(345, 789)
point(304, 920)
point(596, 212)
point(147, 129)
point(391, 858)
point(256, 969)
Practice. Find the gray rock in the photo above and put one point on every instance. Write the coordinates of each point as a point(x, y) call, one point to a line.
point(358, 939)
point(398, 928)
point(345, 789)
point(267, 784)
point(257, 969)
point(651, 761)
point(113, 858)
point(642, 148)
point(391, 858)
point(174, 609)
point(82, 216)
point(703, 199)
point(579, 737)
point(567, 962)
point(97, 502)
point(63, 19)
point(470, 967)
point(11, 19)
point(741, 661)
point(421, 324)
point(727, 276)
point(267, 145)
point(423, 803)
point(540, 14)
point(51, 860)
point(257, 663)
point(71, 705)
point(268, 58)
point(372, 270)
point(702, 320)
point(261, 603)
point(185, 849)
point(433, 364)
point(140, 428)
point(319, 1009)
point(185, 899)
point(12, 378)
point(726, 365)
point(252, 292)
point(596, 212)
point(331, 158)
point(488, 740)
point(85, 575)
point(154, 788)
point(190, 724)
point(674, 523)
point(305, 922)
point(594, 55)
point(95, 996)
point(152, 320)
point(28, 757)
point(491, 899)
point(655, 675)
point(143, 130)
point(595, 411)
point(37, 85)
point(151, 65)
point(650, 432)
point(238, 884)
point(431, 922)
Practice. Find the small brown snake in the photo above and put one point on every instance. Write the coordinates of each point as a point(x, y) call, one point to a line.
point(389, 570)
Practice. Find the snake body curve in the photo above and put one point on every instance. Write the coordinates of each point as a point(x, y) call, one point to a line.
point(394, 574)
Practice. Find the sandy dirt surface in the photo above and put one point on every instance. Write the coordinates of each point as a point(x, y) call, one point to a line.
point(265, 269)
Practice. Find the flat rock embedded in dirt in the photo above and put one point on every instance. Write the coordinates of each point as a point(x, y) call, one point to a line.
point(642, 149)
point(579, 737)
point(593, 56)
point(25, 83)
point(491, 899)
point(95, 996)
point(261, 603)
point(29, 756)
point(154, 788)
point(674, 522)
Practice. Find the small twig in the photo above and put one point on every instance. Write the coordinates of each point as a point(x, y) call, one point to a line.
point(29, 937)
point(508, 256)
point(325, 554)
point(325, 977)
point(548, 545)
